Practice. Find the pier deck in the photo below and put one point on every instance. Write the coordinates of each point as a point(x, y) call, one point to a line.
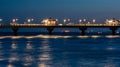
point(50, 28)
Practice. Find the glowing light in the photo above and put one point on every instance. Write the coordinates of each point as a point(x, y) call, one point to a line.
point(67, 31)
point(42, 65)
point(1, 20)
point(67, 36)
point(88, 23)
point(60, 24)
point(112, 22)
point(111, 36)
point(16, 37)
point(29, 20)
point(65, 20)
point(16, 19)
point(29, 37)
point(80, 20)
point(84, 20)
point(110, 48)
point(14, 46)
point(83, 37)
point(32, 19)
point(49, 21)
point(68, 19)
point(10, 65)
point(94, 20)
point(13, 20)
point(56, 19)
point(95, 36)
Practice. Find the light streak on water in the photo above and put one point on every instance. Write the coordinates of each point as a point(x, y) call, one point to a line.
point(60, 36)
point(111, 36)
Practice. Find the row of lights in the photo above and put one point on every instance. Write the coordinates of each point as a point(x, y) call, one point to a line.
point(64, 20)
point(80, 20)
point(16, 19)
point(84, 20)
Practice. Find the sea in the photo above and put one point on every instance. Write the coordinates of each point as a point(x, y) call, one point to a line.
point(59, 50)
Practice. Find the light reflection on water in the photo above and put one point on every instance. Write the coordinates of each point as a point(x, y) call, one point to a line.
point(10, 65)
point(59, 51)
point(58, 36)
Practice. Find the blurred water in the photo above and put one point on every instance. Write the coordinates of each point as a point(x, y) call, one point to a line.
point(60, 51)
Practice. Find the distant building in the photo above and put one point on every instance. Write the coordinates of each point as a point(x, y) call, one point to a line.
point(112, 21)
point(49, 21)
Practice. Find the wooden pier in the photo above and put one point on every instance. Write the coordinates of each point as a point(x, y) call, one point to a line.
point(50, 28)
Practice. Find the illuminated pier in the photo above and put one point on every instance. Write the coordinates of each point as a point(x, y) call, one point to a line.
point(50, 24)
point(50, 28)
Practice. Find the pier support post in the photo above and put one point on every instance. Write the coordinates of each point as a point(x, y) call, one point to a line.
point(15, 30)
point(50, 29)
point(113, 29)
point(83, 30)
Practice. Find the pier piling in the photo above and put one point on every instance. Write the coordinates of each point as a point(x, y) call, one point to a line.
point(113, 29)
point(15, 30)
point(83, 29)
point(50, 29)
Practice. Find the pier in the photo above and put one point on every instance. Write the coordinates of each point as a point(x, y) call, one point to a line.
point(50, 28)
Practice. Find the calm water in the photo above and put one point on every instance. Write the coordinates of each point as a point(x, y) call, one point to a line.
point(60, 51)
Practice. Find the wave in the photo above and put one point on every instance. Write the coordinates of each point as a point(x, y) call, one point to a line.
point(60, 36)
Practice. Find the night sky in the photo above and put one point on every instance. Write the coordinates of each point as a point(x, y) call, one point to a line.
point(74, 9)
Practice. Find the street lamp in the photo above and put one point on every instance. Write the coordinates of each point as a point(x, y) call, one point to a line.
point(30, 20)
point(14, 20)
point(1, 20)
point(80, 21)
point(64, 21)
point(68, 20)
point(56, 19)
point(84, 20)
point(94, 20)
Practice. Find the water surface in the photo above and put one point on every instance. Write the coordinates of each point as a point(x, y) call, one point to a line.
point(60, 51)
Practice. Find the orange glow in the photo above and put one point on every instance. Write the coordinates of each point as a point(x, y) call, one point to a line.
point(112, 22)
point(49, 21)
point(67, 30)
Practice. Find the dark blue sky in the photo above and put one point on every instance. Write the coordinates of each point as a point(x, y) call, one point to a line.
point(74, 9)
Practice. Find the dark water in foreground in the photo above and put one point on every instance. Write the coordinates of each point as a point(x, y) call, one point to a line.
point(60, 51)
